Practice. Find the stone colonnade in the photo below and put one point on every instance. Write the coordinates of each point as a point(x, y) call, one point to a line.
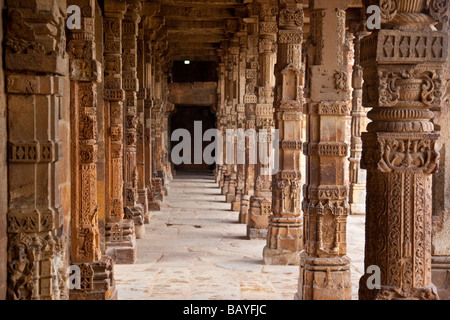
point(82, 160)
point(401, 72)
point(87, 114)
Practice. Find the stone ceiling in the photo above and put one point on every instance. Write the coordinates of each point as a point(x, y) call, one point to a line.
point(195, 29)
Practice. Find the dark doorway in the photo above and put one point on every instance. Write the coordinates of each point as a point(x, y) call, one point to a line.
point(184, 117)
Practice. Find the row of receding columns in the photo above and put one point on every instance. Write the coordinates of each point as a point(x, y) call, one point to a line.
point(400, 72)
point(130, 186)
point(87, 157)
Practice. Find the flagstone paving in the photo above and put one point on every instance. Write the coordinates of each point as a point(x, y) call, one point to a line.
point(195, 249)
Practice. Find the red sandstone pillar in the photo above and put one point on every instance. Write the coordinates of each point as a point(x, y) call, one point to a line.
point(325, 268)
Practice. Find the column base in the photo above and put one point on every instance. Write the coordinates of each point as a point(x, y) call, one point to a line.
point(154, 206)
point(324, 278)
point(121, 242)
point(440, 275)
point(224, 189)
point(390, 293)
point(258, 216)
point(230, 197)
point(235, 206)
point(225, 185)
point(137, 215)
point(284, 241)
point(157, 184)
point(97, 282)
point(243, 212)
point(255, 233)
point(143, 199)
point(281, 257)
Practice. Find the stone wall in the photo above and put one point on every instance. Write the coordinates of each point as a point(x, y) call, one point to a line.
point(193, 93)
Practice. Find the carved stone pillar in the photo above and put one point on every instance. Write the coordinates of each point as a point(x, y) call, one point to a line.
point(403, 76)
point(157, 118)
point(159, 181)
point(227, 117)
point(120, 233)
point(261, 201)
point(285, 237)
point(233, 120)
point(219, 116)
point(153, 204)
point(325, 268)
point(85, 75)
point(140, 133)
point(250, 101)
point(240, 109)
point(168, 109)
point(133, 209)
point(38, 122)
point(440, 245)
point(357, 192)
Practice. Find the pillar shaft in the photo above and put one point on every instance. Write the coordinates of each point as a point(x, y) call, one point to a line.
point(399, 150)
point(233, 101)
point(133, 209)
point(357, 192)
point(221, 120)
point(153, 204)
point(120, 233)
point(140, 132)
point(38, 122)
point(261, 201)
point(85, 76)
point(227, 113)
point(250, 100)
point(157, 122)
point(285, 237)
point(85, 240)
point(240, 110)
point(325, 268)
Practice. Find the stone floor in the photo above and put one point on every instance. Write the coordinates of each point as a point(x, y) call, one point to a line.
point(194, 249)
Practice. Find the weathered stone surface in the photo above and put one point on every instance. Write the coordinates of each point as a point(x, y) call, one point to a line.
point(189, 94)
point(399, 151)
point(325, 205)
point(285, 236)
point(261, 201)
point(130, 24)
point(123, 232)
point(38, 151)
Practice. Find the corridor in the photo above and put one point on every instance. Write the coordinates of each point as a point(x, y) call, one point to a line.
point(195, 249)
